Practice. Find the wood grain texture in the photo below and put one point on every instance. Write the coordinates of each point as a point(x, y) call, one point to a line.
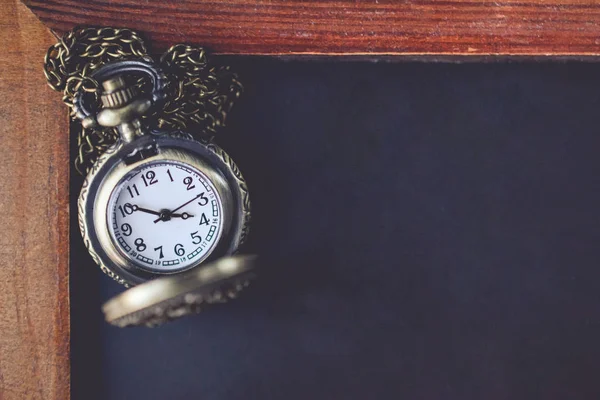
point(34, 302)
point(373, 27)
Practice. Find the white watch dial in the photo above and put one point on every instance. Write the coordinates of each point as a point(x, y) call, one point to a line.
point(165, 216)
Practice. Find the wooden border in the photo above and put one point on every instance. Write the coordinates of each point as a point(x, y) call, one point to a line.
point(34, 317)
point(368, 28)
point(34, 238)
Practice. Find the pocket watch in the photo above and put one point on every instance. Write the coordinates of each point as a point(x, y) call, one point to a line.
point(158, 207)
point(155, 203)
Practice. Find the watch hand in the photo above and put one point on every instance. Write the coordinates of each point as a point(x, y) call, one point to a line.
point(137, 208)
point(186, 203)
point(171, 214)
point(180, 207)
point(182, 215)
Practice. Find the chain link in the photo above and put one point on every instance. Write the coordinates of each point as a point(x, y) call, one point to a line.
point(199, 95)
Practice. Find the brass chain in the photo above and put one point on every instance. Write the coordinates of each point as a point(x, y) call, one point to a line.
point(199, 95)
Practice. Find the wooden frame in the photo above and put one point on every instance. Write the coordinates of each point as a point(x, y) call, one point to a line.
point(34, 285)
point(416, 29)
point(34, 345)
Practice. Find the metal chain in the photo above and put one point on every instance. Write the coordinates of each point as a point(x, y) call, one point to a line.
point(199, 96)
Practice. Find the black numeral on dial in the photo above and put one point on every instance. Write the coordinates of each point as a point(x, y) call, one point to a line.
point(160, 254)
point(127, 209)
point(149, 178)
point(126, 229)
point(195, 236)
point(170, 176)
point(179, 250)
point(139, 244)
point(203, 199)
point(131, 192)
point(188, 181)
point(203, 219)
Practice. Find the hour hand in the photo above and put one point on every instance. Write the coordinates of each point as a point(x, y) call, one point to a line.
point(182, 215)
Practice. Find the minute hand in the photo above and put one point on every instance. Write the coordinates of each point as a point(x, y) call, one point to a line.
point(180, 207)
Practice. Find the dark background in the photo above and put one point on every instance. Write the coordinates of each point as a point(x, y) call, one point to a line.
point(430, 231)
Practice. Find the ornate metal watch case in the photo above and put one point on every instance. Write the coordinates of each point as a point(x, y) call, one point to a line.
point(108, 238)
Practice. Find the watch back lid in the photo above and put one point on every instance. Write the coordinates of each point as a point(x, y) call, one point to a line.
point(160, 300)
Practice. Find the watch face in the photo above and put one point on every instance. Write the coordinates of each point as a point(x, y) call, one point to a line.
point(165, 216)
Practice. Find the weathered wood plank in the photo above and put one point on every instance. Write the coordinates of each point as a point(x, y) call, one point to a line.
point(373, 28)
point(34, 295)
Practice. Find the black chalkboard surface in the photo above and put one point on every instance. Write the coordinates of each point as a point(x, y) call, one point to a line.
point(431, 232)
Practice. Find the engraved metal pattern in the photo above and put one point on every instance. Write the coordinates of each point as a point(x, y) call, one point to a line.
point(198, 100)
point(81, 202)
point(180, 306)
point(163, 300)
point(246, 207)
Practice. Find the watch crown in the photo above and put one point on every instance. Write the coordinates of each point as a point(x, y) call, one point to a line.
point(122, 108)
point(116, 94)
